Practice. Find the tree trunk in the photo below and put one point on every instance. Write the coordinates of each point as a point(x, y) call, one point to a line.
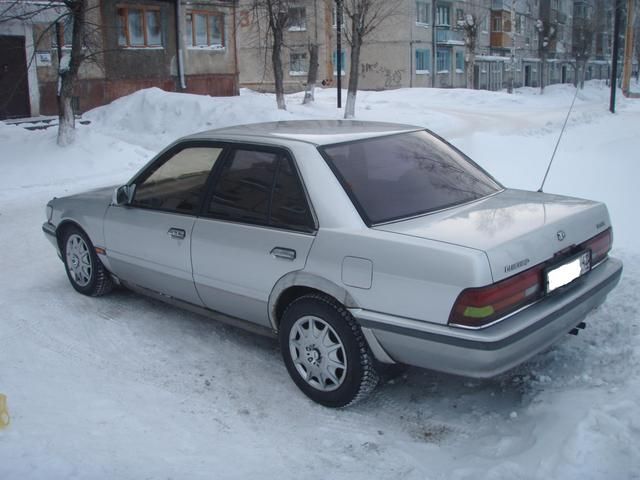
point(583, 72)
point(471, 65)
point(312, 76)
point(354, 71)
point(277, 68)
point(543, 62)
point(68, 75)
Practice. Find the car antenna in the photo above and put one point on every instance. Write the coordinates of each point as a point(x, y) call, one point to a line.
point(553, 155)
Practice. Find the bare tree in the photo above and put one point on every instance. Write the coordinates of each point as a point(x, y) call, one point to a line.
point(584, 29)
point(275, 15)
point(636, 36)
point(363, 17)
point(474, 16)
point(73, 13)
point(547, 34)
point(312, 73)
point(68, 67)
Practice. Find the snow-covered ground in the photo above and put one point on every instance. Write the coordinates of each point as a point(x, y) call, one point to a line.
point(122, 387)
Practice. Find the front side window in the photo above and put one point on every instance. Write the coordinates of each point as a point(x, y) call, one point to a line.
point(177, 185)
point(262, 188)
point(139, 27)
point(205, 29)
point(403, 175)
point(422, 12)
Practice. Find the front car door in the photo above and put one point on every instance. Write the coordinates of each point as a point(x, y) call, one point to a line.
point(256, 226)
point(148, 242)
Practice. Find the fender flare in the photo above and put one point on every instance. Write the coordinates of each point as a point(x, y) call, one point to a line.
point(309, 280)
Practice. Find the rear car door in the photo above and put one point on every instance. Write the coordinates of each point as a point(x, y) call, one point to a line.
point(148, 241)
point(256, 226)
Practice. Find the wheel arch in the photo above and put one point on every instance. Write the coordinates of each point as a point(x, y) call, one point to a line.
point(296, 284)
point(62, 227)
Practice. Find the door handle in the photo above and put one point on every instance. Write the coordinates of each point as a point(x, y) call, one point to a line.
point(286, 253)
point(177, 233)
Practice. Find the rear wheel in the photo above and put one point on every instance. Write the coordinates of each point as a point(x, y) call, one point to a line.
point(325, 352)
point(84, 269)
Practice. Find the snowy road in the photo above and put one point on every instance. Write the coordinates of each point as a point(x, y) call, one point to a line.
point(125, 387)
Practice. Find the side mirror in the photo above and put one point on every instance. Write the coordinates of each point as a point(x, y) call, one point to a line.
point(123, 195)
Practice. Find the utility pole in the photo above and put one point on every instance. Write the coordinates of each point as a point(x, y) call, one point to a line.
point(512, 34)
point(614, 59)
point(339, 50)
point(628, 48)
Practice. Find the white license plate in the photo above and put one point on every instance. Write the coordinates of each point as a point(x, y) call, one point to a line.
point(566, 273)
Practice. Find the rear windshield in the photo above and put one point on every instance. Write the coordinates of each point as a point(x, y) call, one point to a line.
point(404, 175)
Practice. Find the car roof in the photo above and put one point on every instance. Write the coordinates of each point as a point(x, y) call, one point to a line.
point(316, 132)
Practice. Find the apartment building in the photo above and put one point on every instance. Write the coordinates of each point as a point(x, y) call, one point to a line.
point(131, 44)
point(422, 44)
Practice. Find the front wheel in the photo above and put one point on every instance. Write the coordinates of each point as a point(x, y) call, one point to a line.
point(84, 269)
point(325, 352)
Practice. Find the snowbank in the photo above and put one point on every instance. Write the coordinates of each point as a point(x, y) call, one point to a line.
point(123, 387)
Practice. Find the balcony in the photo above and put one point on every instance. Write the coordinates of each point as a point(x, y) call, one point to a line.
point(449, 37)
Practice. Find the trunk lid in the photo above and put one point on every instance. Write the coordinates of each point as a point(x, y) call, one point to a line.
point(517, 229)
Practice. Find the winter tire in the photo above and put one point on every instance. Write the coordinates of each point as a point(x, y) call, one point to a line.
point(84, 269)
point(325, 352)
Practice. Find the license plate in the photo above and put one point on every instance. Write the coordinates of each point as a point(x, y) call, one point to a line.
point(559, 276)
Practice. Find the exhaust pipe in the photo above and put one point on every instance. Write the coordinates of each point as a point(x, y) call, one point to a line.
point(580, 326)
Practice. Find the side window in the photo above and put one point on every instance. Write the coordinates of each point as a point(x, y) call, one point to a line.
point(289, 207)
point(244, 187)
point(261, 188)
point(177, 185)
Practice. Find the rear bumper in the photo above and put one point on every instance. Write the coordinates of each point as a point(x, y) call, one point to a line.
point(495, 349)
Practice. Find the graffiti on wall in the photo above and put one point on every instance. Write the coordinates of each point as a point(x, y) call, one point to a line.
point(392, 78)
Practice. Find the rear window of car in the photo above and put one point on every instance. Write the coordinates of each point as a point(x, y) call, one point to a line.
point(404, 175)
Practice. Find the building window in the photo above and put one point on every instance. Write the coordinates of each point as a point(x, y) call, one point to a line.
point(497, 24)
point(443, 60)
point(485, 23)
point(205, 29)
point(423, 13)
point(459, 16)
point(298, 64)
point(443, 16)
point(139, 27)
point(297, 19)
point(65, 32)
point(423, 61)
point(343, 62)
point(460, 62)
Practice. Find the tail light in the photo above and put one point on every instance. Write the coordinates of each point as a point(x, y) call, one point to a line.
point(477, 307)
point(599, 246)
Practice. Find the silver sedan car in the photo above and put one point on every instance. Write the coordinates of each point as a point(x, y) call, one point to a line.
point(357, 244)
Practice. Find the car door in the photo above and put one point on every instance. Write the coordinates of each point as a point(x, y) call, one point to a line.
point(148, 241)
point(257, 225)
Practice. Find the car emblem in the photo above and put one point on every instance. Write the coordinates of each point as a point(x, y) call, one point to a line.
point(561, 235)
